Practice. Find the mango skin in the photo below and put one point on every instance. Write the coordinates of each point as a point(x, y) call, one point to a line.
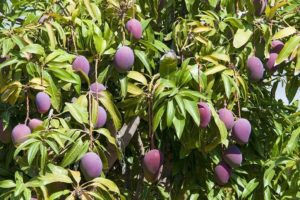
point(153, 165)
point(271, 62)
point(124, 59)
point(233, 156)
point(276, 46)
point(43, 102)
point(227, 117)
point(241, 131)
point(97, 88)
point(134, 27)
point(81, 63)
point(20, 134)
point(205, 114)
point(91, 165)
point(222, 173)
point(255, 68)
point(34, 123)
point(101, 117)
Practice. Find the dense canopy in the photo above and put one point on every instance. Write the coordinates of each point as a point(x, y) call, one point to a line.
point(149, 99)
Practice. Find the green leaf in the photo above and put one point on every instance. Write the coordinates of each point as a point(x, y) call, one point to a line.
point(288, 48)
point(124, 85)
point(7, 184)
point(54, 55)
point(95, 107)
point(44, 157)
point(79, 113)
point(100, 44)
point(53, 178)
point(158, 115)
point(234, 22)
point(179, 124)
point(297, 67)
point(73, 154)
point(97, 12)
point(192, 108)
point(137, 76)
point(32, 151)
point(133, 89)
point(108, 136)
point(214, 70)
point(249, 188)
point(168, 64)
point(221, 126)
point(170, 112)
point(59, 195)
point(227, 85)
point(51, 35)
point(106, 100)
point(284, 33)
point(241, 37)
point(65, 75)
point(60, 31)
point(9, 62)
point(108, 184)
point(143, 58)
point(34, 49)
point(293, 141)
point(87, 4)
point(54, 92)
point(180, 104)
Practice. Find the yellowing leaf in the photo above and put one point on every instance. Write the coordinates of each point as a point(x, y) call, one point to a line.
point(241, 37)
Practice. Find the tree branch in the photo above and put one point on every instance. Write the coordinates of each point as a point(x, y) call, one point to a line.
point(124, 136)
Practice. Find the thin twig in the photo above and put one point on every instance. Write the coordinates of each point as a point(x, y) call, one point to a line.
point(150, 110)
point(236, 93)
point(90, 121)
point(140, 182)
point(74, 40)
point(199, 77)
point(123, 30)
point(96, 77)
point(27, 105)
point(42, 76)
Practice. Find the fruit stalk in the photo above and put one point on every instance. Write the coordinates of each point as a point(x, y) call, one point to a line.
point(151, 90)
point(96, 75)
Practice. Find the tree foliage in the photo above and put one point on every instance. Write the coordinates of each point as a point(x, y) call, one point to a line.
point(190, 51)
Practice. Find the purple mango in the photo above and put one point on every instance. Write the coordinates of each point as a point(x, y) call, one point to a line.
point(81, 64)
point(134, 27)
point(271, 62)
point(233, 156)
point(222, 173)
point(227, 117)
point(97, 88)
point(20, 134)
point(91, 165)
point(276, 46)
point(43, 102)
point(255, 68)
point(101, 117)
point(241, 131)
point(34, 123)
point(124, 59)
point(152, 165)
point(205, 114)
